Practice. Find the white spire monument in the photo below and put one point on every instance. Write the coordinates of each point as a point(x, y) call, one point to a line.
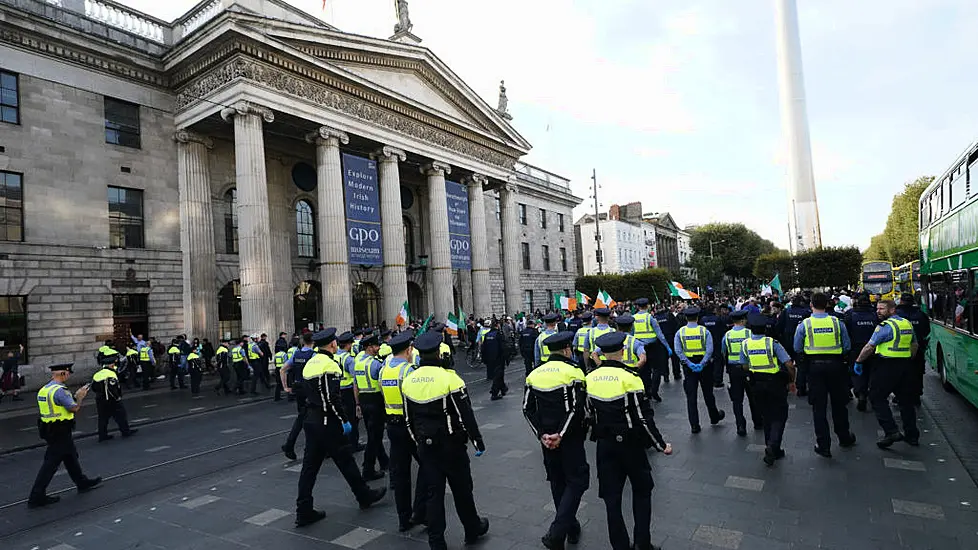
point(803, 225)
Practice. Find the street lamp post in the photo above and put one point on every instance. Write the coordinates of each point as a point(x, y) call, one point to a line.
point(713, 243)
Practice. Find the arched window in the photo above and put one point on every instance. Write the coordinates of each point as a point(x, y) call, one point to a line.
point(231, 221)
point(305, 229)
point(408, 241)
point(366, 305)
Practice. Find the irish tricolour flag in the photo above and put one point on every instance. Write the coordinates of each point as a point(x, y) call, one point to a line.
point(677, 290)
point(565, 302)
point(603, 299)
point(451, 325)
point(402, 316)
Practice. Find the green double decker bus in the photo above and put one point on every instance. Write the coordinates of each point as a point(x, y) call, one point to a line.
point(949, 273)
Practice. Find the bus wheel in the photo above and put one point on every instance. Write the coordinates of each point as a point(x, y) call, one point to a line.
point(942, 371)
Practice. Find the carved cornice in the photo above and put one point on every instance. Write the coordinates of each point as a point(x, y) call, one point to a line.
point(299, 81)
point(390, 154)
point(245, 108)
point(325, 135)
point(186, 136)
point(436, 168)
point(475, 180)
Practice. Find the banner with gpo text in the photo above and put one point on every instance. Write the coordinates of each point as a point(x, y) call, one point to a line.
point(362, 193)
point(459, 232)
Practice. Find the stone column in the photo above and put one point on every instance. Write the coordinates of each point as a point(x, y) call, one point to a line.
point(334, 272)
point(281, 219)
point(480, 246)
point(392, 232)
point(254, 242)
point(511, 247)
point(441, 252)
point(197, 236)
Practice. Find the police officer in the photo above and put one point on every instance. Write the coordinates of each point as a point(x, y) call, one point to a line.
point(240, 363)
point(528, 344)
point(440, 419)
point(108, 398)
point(694, 345)
point(176, 365)
point(602, 326)
point(633, 353)
point(223, 367)
point(296, 363)
point(348, 387)
point(256, 360)
point(860, 322)
point(785, 327)
point(367, 378)
point(772, 376)
point(667, 321)
point(895, 343)
point(909, 310)
point(147, 361)
point(355, 347)
point(326, 428)
point(493, 355)
point(281, 354)
point(131, 366)
point(647, 331)
point(540, 352)
point(624, 429)
point(823, 343)
point(403, 448)
point(717, 329)
point(195, 367)
point(737, 373)
point(58, 408)
point(554, 405)
point(580, 340)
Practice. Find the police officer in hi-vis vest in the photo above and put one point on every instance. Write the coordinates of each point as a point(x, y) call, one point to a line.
point(222, 356)
point(540, 352)
point(554, 405)
point(280, 356)
point(348, 387)
point(147, 362)
point(579, 346)
point(657, 349)
point(292, 369)
point(822, 342)
point(694, 345)
point(195, 366)
point(58, 408)
point(108, 398)
point(367, 379)
point(772, 377)
point(440, 419)
point(737, 373)
point(624, 430)
point(240, 363)
point(410, 512)
point(894, 344)
point(326, 429)
point(602, 326)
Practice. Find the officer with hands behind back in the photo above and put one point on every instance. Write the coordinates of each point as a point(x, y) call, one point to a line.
point(763, 357)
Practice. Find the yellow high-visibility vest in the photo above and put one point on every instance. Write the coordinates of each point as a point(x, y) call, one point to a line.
point(51, 411)
point(823, 336)
point(760, 355)
point(899, 346)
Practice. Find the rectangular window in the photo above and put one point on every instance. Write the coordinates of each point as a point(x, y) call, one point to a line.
point(543, 219)
point(546, 257)
point(501, 262)
point(973, 304)
point(528, 301)
point(526, 255)
point(9, 98)
point(13, 325)
point(124, 305)
point(121, 123)
point(560, 222)
point(563, 259)
point(522, 214)
point(11, 207)
point(498, 210)
point(959, 189)
point(550, 300)
point(125, 218)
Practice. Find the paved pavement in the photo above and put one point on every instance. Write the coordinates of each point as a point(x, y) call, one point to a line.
point(218, 480)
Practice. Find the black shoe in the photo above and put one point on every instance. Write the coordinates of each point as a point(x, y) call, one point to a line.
point(848, 442)
point(718, 384)
point(742, 432)
point(419, 520)
point(289, 452)
point(470, 538)
point(89, 485)
point(861, 404)
point(551, 543)
point(495, 397)
point(254, 393)
point(779, 454)
point(758, 426)
point(373, 496)
point(913, 442)
point(657, 397)
point(769, 456)
point(106, 438)
point(130, 433)
point(823, 451)
point(172, 388)
point(407, 526)
point(372, 476)
point(574, 536)
point(308, 518)
point(695, 429)
point(360, 448)
point(888, 440)
point(720, 416)
point(43, 501)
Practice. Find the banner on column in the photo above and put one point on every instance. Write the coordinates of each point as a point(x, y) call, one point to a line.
point(459, 234)
point(362, 210)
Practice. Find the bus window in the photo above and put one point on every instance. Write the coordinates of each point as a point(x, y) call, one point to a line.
point(959, 189)
point(973, 303)
point(936, 287)
point(958, 291)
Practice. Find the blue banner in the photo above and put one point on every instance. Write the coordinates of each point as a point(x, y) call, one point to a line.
point(362, 211)
point(459, 233)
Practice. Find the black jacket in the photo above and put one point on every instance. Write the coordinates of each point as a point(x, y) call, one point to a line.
point(561, 410)
point(629, 417)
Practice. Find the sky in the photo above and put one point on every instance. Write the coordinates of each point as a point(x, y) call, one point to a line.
point(675, 103)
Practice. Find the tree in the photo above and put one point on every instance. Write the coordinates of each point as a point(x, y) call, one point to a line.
point(735, 247)
point(647, 283)
point(780, 263)
point(829, 267)
point(877, 249)
point(901, 234)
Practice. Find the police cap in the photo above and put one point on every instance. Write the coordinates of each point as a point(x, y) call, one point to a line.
point(642, 302)
point(625, 319)
point(428, 342)
point(587, 315)
point(345, 338)
point(692, 311)
point(602, 312)
point(437, 327)
point(109, 359)
point(611, 342)
point(757, 320)
point(370, 340)
point(324, 337)
point(401, 342)
point(385, 333)
point(61, 366)
point(739, 315)
point(357, 332)
point(907, 299)
point(561, 340)
point(551, 318)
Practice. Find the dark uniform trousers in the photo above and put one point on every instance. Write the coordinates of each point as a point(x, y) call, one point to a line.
point(196, 375)
point(300, 419)
point(447, 460)
point(860, 383)
point(350, 409)
point(261, 375)
point(918, 369)
point(241, 374)
point(403, 450)
point(148, 373)
point(372, 406)
point(617, 462)
point(176, 375)
point(60, 449)
point(225, 374)
point(528, 363)
point(771, 396)
point(278, 383)
point(569, 477)
point(696, 380)
point(656, 367)
point(326, 442)
point(114, 410)
point(498, 370)
point(894, 376)
point(739, 387)
point(828, 378)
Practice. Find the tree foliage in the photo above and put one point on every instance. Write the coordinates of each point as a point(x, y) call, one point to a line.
point(780, 263)
point(647, 283)
point(829, 267)
point(899, 242)
point(877, 249)
point(735, 250)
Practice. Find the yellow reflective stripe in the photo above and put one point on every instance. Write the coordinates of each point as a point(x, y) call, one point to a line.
point(817, 341)
point(694, 344)
point(760, 355)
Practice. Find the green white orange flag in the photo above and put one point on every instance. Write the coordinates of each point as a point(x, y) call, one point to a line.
point(604, 300)
point(583, 299)
point(677, 290)
point(451, 325)
point(565, 302)
point(403, 316)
